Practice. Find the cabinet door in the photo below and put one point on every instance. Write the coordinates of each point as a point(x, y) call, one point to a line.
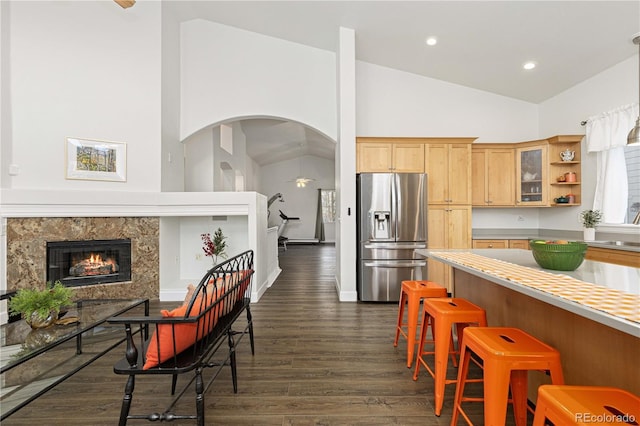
point(500, 177)
point(440, 273)
point(519, 244)
point(408, 158)
point(460, 174)
point(374, 157)
point(437, 227)
point(490, 244)
point(437, 168)
point(531, 175)
point(449, 227)
point(449, 170)
point(478, 177)
point(459, 227)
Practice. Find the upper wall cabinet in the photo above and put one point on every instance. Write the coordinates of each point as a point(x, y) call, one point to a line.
point(389, 155)
point(492, 176)
point(539, 173)
point(448, 166)
point(531, 175)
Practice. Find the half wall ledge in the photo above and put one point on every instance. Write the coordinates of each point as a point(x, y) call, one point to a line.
point(16, 203)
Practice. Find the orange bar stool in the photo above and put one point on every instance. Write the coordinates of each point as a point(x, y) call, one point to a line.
point(582, 405)
point(507, 355)
point(442, 314)
point(411, 293)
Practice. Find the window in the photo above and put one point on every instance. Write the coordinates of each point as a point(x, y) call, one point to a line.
point(328, 197)
point(632, 156)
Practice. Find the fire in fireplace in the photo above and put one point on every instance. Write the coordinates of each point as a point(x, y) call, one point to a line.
point(79, 263)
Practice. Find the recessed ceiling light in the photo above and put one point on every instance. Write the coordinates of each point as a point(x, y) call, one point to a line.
point(529, 65)
point(432, 41)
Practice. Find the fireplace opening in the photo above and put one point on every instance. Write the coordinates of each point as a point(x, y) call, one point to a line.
point(80, 263)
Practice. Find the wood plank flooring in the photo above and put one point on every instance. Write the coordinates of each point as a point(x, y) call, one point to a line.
point(317, 362)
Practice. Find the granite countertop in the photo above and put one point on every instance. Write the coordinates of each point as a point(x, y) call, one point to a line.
point(612, 282)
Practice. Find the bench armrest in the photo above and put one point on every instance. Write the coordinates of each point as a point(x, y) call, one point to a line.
point(151, 320)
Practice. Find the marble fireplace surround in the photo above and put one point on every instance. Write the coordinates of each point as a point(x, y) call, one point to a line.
point(29, 218)
point(26, 252)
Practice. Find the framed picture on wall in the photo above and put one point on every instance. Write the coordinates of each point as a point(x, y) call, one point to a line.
point(96, 160)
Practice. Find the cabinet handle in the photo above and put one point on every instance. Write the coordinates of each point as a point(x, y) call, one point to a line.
point(490, 245)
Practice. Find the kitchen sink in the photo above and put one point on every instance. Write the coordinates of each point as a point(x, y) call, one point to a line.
point(618, 243)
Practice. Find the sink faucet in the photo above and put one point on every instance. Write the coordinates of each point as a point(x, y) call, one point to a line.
point(636, 220)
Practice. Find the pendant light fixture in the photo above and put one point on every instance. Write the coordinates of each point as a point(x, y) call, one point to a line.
point(634, 134)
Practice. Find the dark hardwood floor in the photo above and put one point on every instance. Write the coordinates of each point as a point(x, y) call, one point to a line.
point(317, 362)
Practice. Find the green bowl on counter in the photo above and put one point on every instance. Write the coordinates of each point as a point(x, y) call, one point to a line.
point(559, 255)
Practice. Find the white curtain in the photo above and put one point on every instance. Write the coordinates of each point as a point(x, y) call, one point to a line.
point(607, 136)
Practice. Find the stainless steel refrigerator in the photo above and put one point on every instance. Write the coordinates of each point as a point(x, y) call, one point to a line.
point(392, 223)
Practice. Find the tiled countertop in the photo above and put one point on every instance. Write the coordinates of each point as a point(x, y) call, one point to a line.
point(602, 292)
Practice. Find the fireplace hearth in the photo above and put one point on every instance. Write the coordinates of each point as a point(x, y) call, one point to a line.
point(81, 263)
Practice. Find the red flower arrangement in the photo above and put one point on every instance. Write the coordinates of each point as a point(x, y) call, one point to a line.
point(214, 247)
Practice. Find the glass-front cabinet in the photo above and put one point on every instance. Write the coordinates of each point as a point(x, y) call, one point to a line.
point(531, 175)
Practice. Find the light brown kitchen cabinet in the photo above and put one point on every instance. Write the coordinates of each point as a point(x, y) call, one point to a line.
point(380, 157)
point(540, 174)
point(491, 244)
point(449, 228)
point(492, 176)
point(448, 166)
point(500, 244)
point(619, 257)
point(531, 174)
point(519, 244)
point(565, 175)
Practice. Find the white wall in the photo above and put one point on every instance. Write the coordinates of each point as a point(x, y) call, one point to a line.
point(397, 103)
point(172, 150)
point(5, 99)
point(298, 202)
point(86, 70)
point(198, 161)
point(229, 73)
point(193, 262)
point(346, 167)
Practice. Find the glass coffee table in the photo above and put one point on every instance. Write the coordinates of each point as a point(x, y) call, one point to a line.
point(34, 361)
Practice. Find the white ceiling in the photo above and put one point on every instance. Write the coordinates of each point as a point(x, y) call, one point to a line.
point(482, 44)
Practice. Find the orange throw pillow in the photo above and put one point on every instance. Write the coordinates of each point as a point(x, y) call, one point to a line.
point(184, 335)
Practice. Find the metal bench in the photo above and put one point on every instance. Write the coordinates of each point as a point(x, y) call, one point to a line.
point(186, 339)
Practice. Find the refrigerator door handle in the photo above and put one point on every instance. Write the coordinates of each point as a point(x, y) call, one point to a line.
point(395, 246)
point(392, 264)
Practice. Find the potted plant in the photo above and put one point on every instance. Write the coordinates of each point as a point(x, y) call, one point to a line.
point(590, 219)
point(40, 308)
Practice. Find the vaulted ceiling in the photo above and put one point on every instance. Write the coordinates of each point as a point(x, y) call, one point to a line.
point(481, 44)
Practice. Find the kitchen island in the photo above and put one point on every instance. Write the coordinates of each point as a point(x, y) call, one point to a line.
point(591, 315)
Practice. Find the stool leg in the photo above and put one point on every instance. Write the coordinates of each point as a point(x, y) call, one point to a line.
point(426, 320)
point(496, 393)
point(539, 417)
point(465, 357)
point(442, 336)
point(519, 396)
point(403, 299)
point(412, 327)
point(555, 370)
